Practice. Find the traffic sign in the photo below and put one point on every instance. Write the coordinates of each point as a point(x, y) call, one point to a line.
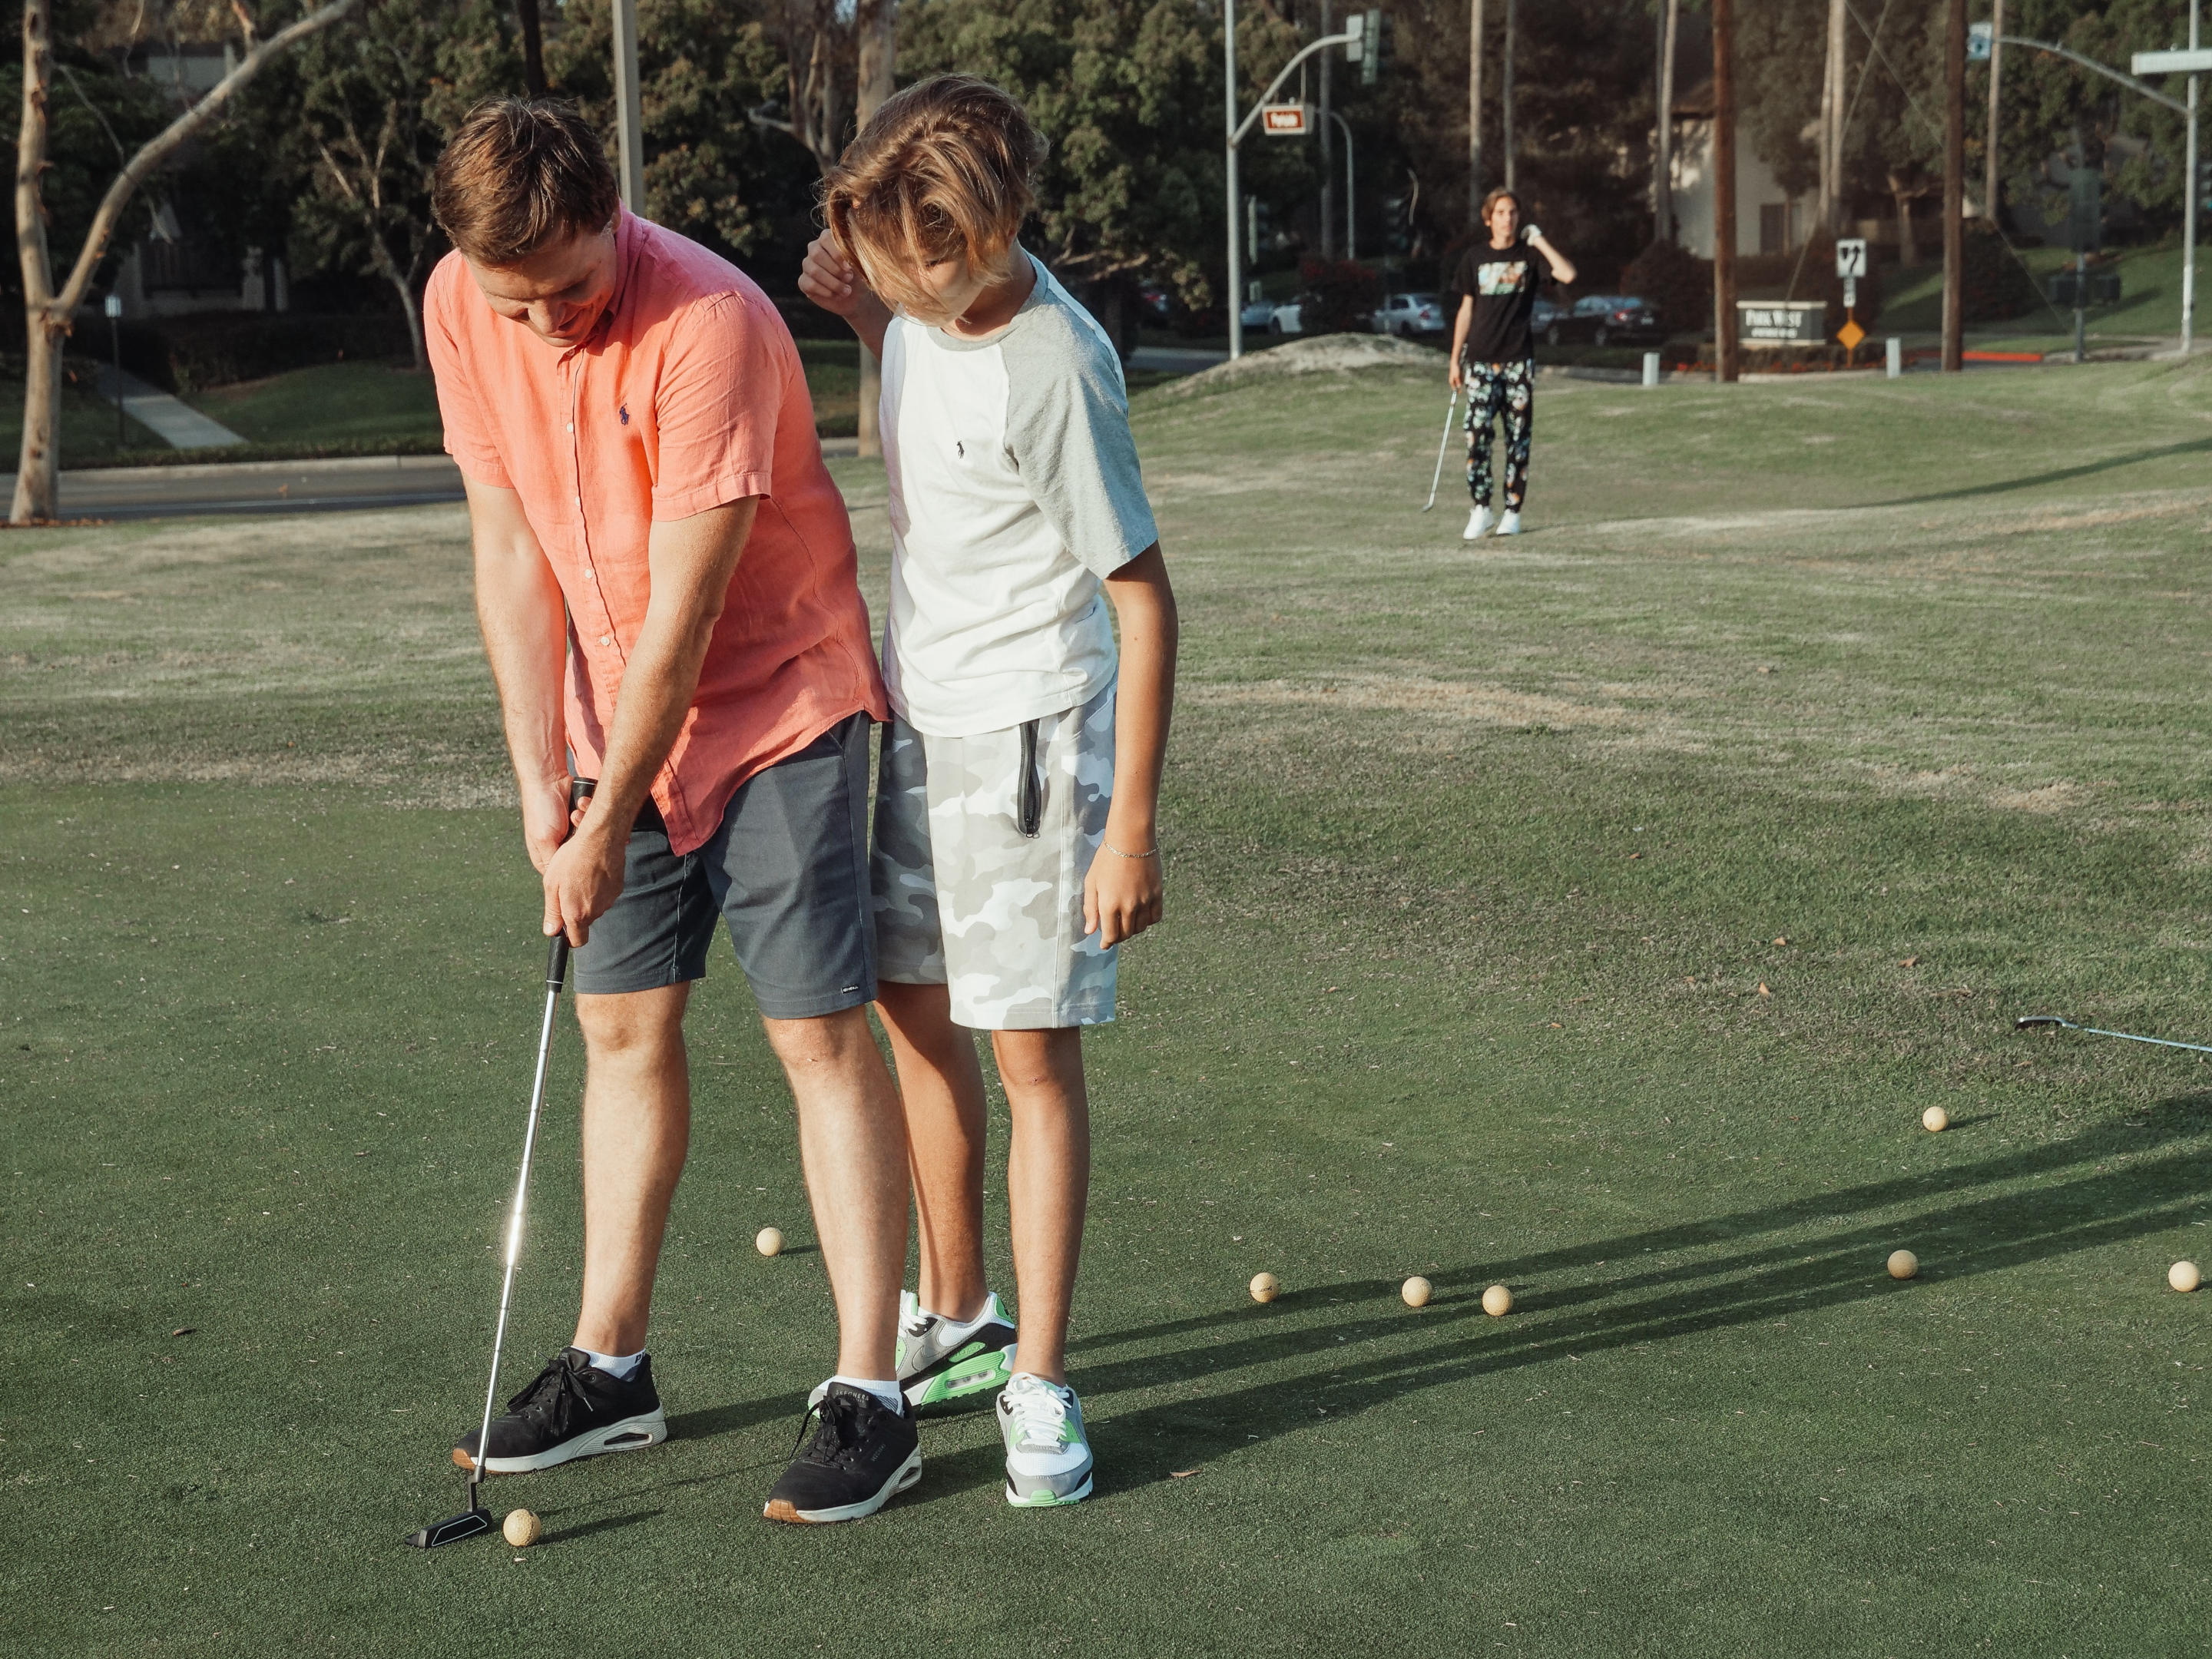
point(1851, 256)
point(1850, 333)
point(1980, 37)
point(2171, 63)
point(1283, 121)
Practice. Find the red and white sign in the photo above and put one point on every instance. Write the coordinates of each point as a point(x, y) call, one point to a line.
point(1283, 121)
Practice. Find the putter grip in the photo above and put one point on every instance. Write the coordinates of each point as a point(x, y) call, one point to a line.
point(556, 962)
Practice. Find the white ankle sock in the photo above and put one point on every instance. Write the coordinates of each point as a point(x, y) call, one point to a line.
point(888, 1392)
point(952, 1324)
point(621, 1367)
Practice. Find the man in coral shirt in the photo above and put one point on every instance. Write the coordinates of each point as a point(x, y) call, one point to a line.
point(653, 526)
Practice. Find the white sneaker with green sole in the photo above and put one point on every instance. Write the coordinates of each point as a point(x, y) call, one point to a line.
point(1047, 1454)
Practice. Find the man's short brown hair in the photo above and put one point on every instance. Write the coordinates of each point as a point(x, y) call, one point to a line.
point(942, 170)
point(522, 172)
point(1490, 202)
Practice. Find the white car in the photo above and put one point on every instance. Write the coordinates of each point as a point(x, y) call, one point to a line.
point(1410, 313)
point(1285, 319)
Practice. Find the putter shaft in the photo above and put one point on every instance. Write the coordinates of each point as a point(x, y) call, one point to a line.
point(1451, 406)
point(2028, 1020)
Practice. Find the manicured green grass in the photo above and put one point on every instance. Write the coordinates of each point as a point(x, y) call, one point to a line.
point(1536, 909)
point(88, 424)
point(2149, 305)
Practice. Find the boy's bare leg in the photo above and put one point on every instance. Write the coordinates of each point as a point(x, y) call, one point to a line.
point(852, 1144)
point(941, 1083)
point(636, 1128)
point(1047, 1185)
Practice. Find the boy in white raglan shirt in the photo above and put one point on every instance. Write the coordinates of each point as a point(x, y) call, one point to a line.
point(1015, 817)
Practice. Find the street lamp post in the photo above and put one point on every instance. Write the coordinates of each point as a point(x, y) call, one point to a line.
point(1236, 131)
point(1351, 230)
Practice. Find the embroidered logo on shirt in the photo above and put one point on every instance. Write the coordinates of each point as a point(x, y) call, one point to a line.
point(625, 414)
point(960, 449)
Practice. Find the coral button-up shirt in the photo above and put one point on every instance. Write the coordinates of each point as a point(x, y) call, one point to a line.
point(688, 395)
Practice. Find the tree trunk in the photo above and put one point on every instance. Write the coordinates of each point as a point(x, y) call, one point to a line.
point(1724, 317)
point(400, 281)
point(533, 55)
point(1908, 253)
point(1955, 187)
point(1505, 93)
point(1993, 182)
point(877, 23)
point(38, 466)
point(46, 314)
point(1663, 153)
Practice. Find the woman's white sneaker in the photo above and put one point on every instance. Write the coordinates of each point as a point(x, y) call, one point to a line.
point(1478, 524)
point(1510, 524)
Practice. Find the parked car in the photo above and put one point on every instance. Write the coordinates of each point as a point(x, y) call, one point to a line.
point(1411, 313)
point(1542, 315)
point(1260, 314)
point(1606, 319)
point(1288, 317)
point(1154, 303)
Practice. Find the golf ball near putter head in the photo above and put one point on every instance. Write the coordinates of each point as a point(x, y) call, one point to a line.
point(1498, 1302)
point(1903, 1264)
point(520, 1529)
point(1415, 1291)
point(768, 1242)
point(1266, 1287)
point(1935, 1119)
point(2183, 1276)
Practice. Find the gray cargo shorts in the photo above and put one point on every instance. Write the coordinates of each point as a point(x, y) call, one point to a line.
point(788, 869)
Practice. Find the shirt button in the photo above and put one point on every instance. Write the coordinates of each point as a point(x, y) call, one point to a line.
point(587, 573)
point(606, 639)
point(571, 426)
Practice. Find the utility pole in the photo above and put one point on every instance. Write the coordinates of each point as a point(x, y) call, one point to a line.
point(2189, 209)
point(1473, 114)
point(1662, 149)
point(534, 56)
point(1991, 182)
point(1236, 219)
point(1954, 185)
point(629, 138)
point(1833, 105)
point(1327, 150)
point(876, 24)
point(1724, 317)
point(1505, 90)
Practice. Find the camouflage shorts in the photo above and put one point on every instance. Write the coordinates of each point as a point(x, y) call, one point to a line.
point(965, 899)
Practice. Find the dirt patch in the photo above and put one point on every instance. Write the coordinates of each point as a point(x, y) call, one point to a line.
point(1328, 353)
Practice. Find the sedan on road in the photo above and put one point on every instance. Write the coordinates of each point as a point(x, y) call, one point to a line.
point(1606, 319)
point(1410, 313)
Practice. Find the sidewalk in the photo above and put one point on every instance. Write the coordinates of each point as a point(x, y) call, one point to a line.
point(180, 425)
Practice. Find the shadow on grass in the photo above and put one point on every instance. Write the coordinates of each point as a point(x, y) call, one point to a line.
point(2060, 474)
point(1760, 1272)
point(610, 1523)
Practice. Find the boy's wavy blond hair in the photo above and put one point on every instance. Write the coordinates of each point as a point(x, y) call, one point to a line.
point(943, 169)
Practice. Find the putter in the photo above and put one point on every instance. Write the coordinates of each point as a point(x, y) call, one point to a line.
point(1451, 406)
point(2028, 1020)
point(477, 1519)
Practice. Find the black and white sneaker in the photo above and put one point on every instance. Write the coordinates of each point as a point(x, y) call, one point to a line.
point(571, 1409)
point(863, 1454)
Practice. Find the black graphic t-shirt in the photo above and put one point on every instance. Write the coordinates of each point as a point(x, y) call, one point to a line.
point(1502, 281)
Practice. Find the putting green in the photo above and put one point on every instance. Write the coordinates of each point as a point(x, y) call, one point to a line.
point(1594, 913)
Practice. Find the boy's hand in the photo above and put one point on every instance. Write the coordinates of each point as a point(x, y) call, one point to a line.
point(1121, 896)
point(828, 280)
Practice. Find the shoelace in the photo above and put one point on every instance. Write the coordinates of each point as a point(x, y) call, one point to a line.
point(838, 1436)
point(555, 1395)
point(1039, 1412)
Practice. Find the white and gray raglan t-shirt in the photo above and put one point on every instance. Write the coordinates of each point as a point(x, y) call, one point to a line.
point(1014, 489)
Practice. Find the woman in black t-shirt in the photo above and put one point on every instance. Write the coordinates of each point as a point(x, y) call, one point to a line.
point(1493, 352)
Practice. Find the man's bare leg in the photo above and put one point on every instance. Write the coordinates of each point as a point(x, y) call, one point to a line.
point(1047, 1185)
point(852, 1144)
point(940, 1084)
point(637, 1126)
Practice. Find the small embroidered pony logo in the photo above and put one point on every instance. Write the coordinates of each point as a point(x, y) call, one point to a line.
point(625, 412)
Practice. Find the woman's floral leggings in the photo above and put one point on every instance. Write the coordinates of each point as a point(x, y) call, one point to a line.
point(1507, 392)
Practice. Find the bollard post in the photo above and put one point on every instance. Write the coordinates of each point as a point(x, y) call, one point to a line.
point(1896, 357)
point(1651, 368)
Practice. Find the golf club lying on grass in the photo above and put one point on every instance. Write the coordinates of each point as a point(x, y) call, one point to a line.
point(476, 1518)
point(2028, 1020)
point(1451, 406)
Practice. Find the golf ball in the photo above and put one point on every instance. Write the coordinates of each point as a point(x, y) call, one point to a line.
point(1498, 1302)
point(1935, 1119)
point(768, 1242)
point(1415, 1291)
point(2183, 1276)
point(520, 1529)
point(1903, 1264)
point(1265, 1287)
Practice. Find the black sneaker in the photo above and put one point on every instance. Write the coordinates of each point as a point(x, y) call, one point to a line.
point(863, 1454)
point(571, 1409)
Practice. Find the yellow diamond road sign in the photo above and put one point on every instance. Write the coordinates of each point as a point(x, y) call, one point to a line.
point(1851, 334)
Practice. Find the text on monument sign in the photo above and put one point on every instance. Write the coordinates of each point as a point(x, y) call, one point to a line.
point(1780, 322)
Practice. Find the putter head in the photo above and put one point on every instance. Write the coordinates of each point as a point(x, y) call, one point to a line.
point(2028, 1020)
point(454, 1528)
